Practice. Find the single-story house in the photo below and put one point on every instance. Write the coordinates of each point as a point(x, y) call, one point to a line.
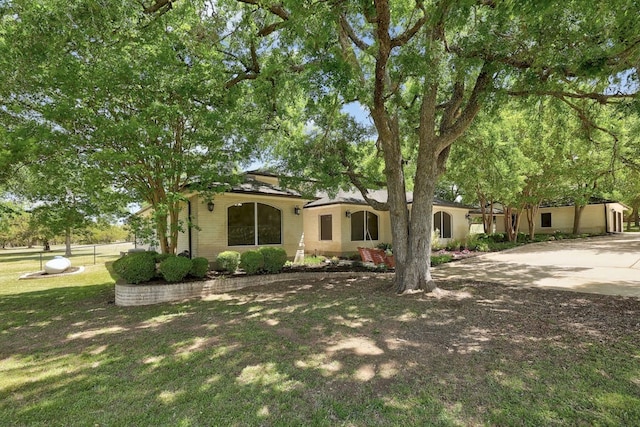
point(599, 216)
point(258, 212)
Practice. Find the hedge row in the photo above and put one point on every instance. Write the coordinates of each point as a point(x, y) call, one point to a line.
point(142, 267)
point(263, 260)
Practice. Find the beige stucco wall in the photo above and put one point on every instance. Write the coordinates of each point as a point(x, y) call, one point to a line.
point(209, 238)
point(459, 222)
point(592, 220)
point(341, 243)
point(312, 243)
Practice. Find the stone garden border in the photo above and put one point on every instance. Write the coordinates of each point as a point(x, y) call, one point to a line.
point(128, 295)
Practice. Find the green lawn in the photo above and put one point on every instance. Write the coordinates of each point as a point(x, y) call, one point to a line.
point(324, 353)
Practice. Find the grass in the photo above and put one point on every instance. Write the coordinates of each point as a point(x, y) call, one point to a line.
point(324, 353)
point(440, 259)
point(631, 228)
point(314, 260)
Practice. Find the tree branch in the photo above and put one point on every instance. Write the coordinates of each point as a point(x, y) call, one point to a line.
point(355, 180)
point(348, 29)
point(276, 9)
point(159, 5)
point(599, 97)
point(410, 32)
point(449, 134)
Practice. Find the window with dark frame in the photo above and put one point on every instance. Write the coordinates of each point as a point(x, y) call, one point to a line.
point(545, 220)
point(253, 224)
point(326, 227)
point(442, 222)
point(364, 226)
point(372, 226)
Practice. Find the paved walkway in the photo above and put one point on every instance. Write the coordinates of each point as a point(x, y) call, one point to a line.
point(604, 265)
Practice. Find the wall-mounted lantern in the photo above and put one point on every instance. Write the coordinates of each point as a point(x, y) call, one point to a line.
point(296, 210)
point(210, 206)
point(347, 214)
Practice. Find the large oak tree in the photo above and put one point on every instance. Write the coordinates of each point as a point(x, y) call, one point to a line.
point(424, 69)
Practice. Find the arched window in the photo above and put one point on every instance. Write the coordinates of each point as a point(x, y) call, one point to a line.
point(364, 226)
point(254, 224)
point(442, 222)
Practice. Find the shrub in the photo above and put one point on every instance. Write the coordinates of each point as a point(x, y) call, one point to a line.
point(252, 262)
point(385, 246)
point(454, 245)
point(498, 237)
point(354, 256)
point(274, 259)
point(175, 268)
point(161, 257)
point(482, 247)
point(116, 264)
point(228, 261)
point(199, 267)
point(435, 240)
point(136, 267)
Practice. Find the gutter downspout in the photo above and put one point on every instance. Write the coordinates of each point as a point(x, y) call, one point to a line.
point(606, 219)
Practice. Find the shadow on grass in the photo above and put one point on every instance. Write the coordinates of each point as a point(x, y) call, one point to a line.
point(325, 352)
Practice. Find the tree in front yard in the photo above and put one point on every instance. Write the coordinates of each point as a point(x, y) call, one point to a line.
point(424, 70)
point(140, 99)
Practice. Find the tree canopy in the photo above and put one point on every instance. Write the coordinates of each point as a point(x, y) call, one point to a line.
point(424, 70)
point(136, 102)
point(159, 91)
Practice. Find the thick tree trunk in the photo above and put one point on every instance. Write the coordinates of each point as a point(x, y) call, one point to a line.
point(577, 215)
point(418, 274)
point(437, 130)
point(398, 210)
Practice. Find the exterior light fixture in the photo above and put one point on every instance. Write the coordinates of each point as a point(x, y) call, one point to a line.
point(347, 214)
point(210, 206)
point(296, 210)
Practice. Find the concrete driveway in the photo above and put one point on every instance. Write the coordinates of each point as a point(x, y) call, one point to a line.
point(607, 265)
